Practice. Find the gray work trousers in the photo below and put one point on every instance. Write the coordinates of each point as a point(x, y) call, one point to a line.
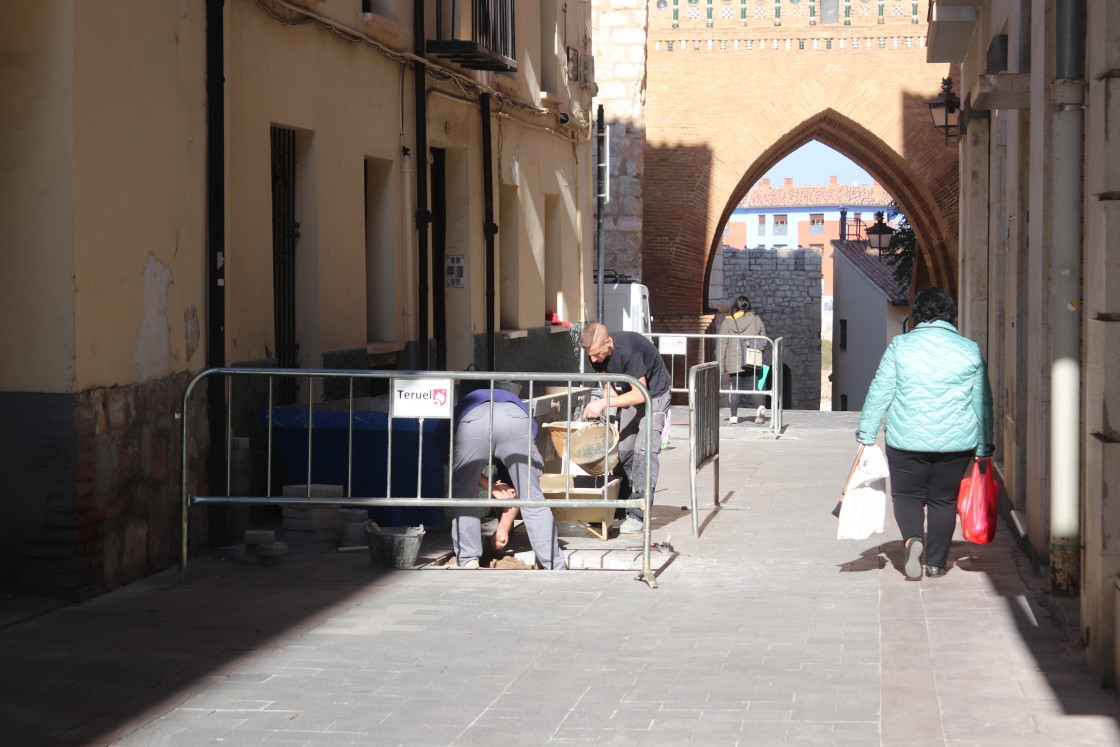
point(633, 423)
point(513, 448)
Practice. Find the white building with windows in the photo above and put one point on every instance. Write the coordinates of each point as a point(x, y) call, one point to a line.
point(870, 308)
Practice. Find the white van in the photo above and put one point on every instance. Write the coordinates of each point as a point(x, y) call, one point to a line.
point(626, 307)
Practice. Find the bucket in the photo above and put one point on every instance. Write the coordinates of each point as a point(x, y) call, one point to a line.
point(394, 547)
point(590, 443)
point(595, 448)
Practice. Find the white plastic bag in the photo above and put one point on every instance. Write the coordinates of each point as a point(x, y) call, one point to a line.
point(872, 466)
point(862, 513)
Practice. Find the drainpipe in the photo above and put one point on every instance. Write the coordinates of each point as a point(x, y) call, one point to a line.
point(601, 177)
point(1067, 96)
point(215, 239)
point(409, 265)
point(489, 227)
point(423, 214)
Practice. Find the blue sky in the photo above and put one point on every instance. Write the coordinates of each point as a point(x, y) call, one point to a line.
point(813, 163)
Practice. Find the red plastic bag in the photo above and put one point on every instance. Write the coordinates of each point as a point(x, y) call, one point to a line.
point(978, 502)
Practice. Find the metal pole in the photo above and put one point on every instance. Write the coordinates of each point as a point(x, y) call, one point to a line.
point(215, 238)
point(423, 214)
point(601, 180)
point(489, 229)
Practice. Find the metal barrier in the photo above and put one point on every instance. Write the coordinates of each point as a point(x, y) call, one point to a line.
point(703, 430)
point(704, 348)
point(405, 387)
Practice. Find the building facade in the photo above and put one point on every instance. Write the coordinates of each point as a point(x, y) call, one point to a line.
point(303, 183)
point(809, 216)
point(1039, 141)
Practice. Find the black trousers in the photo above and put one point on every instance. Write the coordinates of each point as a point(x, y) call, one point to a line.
point(746, 379)
point(924, 487)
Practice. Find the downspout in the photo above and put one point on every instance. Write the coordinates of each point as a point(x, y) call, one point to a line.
point(423, 214)
point(1067, 96)
point(409, 265)
point(601, 178)
point(489, 227)
point(215, 239)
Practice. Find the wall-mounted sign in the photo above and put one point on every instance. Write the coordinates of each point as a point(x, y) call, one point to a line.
point(421, 398)
point(456, 271)
point(672, 345)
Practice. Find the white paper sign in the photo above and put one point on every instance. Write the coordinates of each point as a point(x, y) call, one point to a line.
point(421, 398)
point(672, 345)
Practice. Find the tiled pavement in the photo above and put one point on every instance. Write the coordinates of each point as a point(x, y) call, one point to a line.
point(766, 630)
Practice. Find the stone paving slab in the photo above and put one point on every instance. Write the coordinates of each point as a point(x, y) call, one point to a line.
point(765, 630)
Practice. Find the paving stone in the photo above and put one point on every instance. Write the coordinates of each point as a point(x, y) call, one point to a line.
point(764, 630)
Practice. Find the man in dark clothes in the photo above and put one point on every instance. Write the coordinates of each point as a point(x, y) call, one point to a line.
point(632, 354)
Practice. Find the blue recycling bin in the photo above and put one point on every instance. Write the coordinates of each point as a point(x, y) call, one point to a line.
point(373, 434)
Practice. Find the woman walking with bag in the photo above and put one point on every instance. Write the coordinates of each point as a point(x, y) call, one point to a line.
point(932, 385)
point(742, 359)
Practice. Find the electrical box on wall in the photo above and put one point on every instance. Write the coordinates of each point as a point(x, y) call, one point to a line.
point(456, 271)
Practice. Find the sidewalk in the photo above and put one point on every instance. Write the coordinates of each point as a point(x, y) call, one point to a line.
point(766, 630)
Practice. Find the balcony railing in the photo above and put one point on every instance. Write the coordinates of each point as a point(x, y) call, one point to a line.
point(853, 230)
point(477, 34)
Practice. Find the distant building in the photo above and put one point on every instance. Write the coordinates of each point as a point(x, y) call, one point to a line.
point(869, 309)
point(810, 216)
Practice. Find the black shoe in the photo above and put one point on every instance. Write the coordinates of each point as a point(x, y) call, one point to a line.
point(912, 566)
point(935, 571)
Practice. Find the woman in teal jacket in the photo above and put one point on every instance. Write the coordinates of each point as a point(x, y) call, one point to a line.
point(932, 385)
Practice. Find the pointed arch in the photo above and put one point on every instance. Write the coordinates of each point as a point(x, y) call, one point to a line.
point(937, 248)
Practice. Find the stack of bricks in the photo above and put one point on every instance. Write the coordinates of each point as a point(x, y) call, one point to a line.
point(313, 528)
point(354, 521)
point(261, 548)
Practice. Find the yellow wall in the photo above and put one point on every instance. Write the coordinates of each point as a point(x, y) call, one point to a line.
point(104, 200)
point(139, 174)
point(37, 198)
point(344, 100)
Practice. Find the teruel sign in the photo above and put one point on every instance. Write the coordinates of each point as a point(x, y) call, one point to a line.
point(421, 398)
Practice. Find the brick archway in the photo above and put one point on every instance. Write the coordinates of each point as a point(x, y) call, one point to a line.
point(726, 101)
point(937, 247)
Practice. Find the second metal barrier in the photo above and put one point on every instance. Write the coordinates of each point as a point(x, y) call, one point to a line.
point(703, 431)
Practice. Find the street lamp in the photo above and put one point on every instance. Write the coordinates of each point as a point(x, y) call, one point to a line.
point(879, 234)
point(946, 109)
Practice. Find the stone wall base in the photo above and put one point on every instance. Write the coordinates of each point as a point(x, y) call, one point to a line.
point(96, 486)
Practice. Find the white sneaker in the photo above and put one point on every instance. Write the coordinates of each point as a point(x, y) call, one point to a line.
point(761, 416)
point(472, 563)
point(630, 526)
point(733, 419)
